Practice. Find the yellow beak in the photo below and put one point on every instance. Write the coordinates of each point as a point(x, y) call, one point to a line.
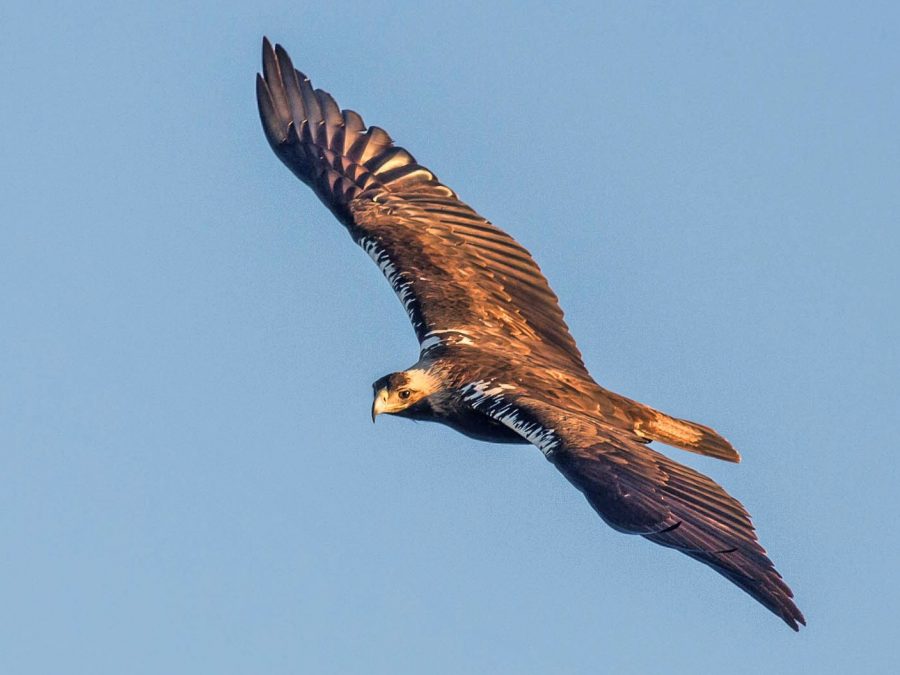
point(379, 405)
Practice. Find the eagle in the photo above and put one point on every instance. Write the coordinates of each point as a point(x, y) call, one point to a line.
point(497, 362)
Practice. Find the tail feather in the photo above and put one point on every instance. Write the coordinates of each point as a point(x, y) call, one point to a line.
point(684, 434)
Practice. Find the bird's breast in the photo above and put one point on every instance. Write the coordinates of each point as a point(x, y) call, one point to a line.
point(460, 417)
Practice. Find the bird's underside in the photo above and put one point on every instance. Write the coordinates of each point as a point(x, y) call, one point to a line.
point(497, 361)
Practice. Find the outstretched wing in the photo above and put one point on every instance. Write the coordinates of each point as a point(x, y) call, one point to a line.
point(459, 277)
point(639, 491)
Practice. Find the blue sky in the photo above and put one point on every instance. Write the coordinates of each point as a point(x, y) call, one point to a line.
point(189, 480)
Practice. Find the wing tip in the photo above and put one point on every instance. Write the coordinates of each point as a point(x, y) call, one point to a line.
point(783, 605)
point(788, 612)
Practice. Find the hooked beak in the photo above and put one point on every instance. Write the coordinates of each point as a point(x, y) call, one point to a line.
point(379, 405)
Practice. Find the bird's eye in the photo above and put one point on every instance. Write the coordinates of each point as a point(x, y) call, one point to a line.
point(404, 394)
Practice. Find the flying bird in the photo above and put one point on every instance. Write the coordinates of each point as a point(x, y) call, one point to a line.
point(497, 362)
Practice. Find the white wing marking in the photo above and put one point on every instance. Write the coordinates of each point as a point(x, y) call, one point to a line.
point(447, 336)
point(486, 396)
point(395, 278)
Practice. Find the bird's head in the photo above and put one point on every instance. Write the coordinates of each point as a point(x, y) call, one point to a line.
point(401, 393)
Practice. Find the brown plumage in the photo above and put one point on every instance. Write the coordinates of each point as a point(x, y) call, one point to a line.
point(497, 361)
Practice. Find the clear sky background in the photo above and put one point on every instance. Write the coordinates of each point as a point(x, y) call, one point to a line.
point(189, 480)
